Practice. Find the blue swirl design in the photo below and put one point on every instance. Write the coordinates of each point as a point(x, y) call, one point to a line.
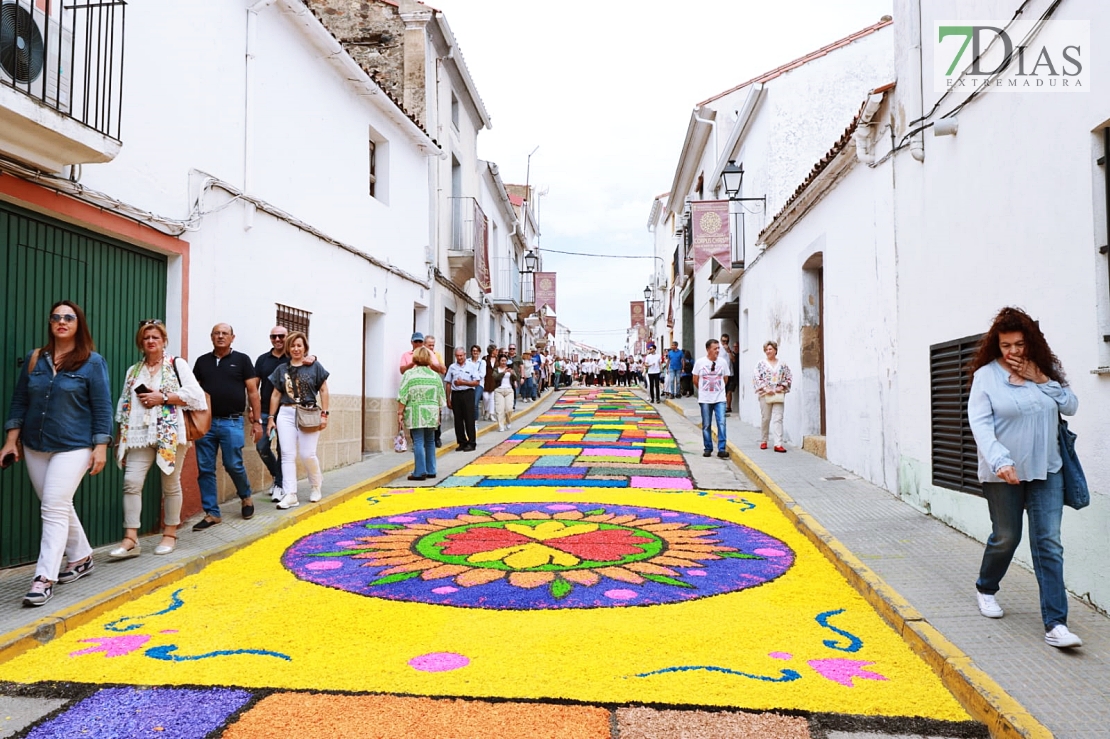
point(175, 603)
point(166, 653)
point(786, 675)
point(854, 642)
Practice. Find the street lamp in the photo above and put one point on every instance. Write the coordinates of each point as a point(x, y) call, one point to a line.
point(531, 261)
point(733, 176)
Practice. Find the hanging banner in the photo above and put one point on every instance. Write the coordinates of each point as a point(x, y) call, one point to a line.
point(481, 252)
point(549, 324)
point(710, 222)
point(670, 308)
point(545, 290)
point(636, 308)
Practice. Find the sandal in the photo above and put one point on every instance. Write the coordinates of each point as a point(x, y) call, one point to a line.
point(122, 552)
point(166, 549)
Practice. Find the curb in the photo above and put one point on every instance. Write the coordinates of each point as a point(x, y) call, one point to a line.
point(976, 691)
point(15, 643)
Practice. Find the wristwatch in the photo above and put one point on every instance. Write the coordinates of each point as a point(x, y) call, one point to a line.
point(165, 398)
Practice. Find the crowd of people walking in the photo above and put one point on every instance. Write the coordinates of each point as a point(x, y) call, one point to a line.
point(60, 423)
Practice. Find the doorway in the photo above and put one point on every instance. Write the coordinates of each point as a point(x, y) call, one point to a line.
point(813, 345)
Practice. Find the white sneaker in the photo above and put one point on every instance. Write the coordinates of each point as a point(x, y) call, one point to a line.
point(989, 607)
point(276, 493)
point(289, 501)
point(1061, 638)
point(314, 496)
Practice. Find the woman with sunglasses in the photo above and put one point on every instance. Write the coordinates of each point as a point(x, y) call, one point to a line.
point(60, 423)
point(152, 432)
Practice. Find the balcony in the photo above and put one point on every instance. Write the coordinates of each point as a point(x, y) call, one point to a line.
point(61, 81)
point(506, 293)
point(527, 294)
point(469, 230)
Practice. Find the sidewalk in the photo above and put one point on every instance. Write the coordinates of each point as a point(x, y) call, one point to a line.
point(114, 582)
point(934, 568)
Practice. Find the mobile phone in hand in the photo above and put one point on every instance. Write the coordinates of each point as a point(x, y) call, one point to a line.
point(7, 461)
point(142, 389)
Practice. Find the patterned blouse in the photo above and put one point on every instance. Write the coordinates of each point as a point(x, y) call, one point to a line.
point(422, 394)
point(771, 379)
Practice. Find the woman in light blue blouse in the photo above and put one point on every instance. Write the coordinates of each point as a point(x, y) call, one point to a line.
point(1017, 395)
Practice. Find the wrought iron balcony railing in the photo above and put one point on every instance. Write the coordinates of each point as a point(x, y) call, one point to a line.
point(68, 56)
point(468, 224)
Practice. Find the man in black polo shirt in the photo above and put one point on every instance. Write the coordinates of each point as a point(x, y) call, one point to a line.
point(263, 367)
point(229, 378)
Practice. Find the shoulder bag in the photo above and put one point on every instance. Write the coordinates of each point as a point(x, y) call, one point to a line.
point(309, 417)
point(1076, 493)
point(197, 423)
point(775, 398)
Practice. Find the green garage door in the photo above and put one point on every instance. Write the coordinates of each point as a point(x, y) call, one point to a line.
point(117, 285)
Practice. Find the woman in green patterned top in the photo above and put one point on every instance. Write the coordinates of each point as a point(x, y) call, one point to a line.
point(418, 404)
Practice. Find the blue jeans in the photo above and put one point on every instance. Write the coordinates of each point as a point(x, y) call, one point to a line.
point(1044, 500)
point(528, 390)
point(708, 412)
point(266, 453)
point(226, 435)
point(478, 392)
point(424, 452)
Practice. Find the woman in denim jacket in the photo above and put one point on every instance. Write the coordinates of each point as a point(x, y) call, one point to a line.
point(60, 423)
point(1017, 395)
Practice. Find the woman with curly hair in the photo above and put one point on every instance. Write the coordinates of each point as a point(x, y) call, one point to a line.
point(1018, 392)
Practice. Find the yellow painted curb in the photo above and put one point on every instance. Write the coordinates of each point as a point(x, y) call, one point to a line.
point(15, 643)
point(976, 691)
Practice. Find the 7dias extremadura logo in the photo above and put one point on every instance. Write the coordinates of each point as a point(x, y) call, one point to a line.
point(1012, 56)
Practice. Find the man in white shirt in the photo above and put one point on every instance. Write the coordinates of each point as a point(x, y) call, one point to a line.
point(710, 376)
point(461, 379)
point(652, 365)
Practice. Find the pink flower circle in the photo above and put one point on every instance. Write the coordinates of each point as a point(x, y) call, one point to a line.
point(697, 573)
point(669, 514)
point(346, 543)
point(324, 564)
point(445, 590)
point(620, 594)
point(439, 662)
point(770, 552)
point(562, 507)
point(401, 519)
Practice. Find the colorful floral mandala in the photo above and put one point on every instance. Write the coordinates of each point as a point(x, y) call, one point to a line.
point(526, 556)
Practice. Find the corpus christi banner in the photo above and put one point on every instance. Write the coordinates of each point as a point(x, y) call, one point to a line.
point(711, 232)
point(481, 254)
point(545, 290)
point(549, 325)
point(636, 308)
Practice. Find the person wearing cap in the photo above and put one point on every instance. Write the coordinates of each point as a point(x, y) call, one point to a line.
point(406, 358)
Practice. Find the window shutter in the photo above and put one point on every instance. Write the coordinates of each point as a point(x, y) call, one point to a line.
point(955, 460)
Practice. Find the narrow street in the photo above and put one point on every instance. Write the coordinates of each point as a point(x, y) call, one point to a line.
point(587, 574)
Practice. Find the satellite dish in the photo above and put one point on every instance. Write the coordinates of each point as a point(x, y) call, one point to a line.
point(22, 52)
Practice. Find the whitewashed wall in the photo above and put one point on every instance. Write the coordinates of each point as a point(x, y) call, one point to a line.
point(1010, 211)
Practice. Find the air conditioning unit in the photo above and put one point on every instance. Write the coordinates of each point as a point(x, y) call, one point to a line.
point(36, 54)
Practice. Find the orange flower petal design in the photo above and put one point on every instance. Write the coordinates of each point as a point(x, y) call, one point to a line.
point(676, 561)
point(448, 523)
point(424, 564)
point(696, 548)
point(530, 579)
point(619, 573)
point(664, 526)
point(601, 517)
point(534, 515)
point(468, 518)
point(423, 527)
point(500, 516)
point(643, 521)
point(444, 571)
point(622, 519)
point(478, 576)
point(650, 569)
point(569, 515)
point(582, 577)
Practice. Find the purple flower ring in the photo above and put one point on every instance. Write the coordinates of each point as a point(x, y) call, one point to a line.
point(529, 556)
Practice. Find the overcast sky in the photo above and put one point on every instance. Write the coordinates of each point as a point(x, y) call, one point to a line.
point(605, 89)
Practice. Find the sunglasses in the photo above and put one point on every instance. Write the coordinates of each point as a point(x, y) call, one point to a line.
point(275, 337)
point(151, 322)
point(59, 317)
point(713, 367)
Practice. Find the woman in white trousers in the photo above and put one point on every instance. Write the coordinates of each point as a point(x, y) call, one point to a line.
point(772, 383)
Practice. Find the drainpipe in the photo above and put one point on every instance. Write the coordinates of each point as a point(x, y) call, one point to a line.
point(712, 122)
point(917, 102)
point(248, 104)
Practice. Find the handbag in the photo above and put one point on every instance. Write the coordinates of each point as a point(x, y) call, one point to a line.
point(774, 398)
point(197, 423)
point(309, 417)
point(399, 443)
point(1076, 493)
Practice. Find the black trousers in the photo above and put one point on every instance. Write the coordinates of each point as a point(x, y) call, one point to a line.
point(462, 405)
point(653, 386)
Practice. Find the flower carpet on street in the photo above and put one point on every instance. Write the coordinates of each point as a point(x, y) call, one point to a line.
point(437, 611)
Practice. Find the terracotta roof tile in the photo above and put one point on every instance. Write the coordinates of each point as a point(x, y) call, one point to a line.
point(778, 71)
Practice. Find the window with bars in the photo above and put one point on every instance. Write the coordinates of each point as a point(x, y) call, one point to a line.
point(293, 319)
point(955, 460)
point(373, 168)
